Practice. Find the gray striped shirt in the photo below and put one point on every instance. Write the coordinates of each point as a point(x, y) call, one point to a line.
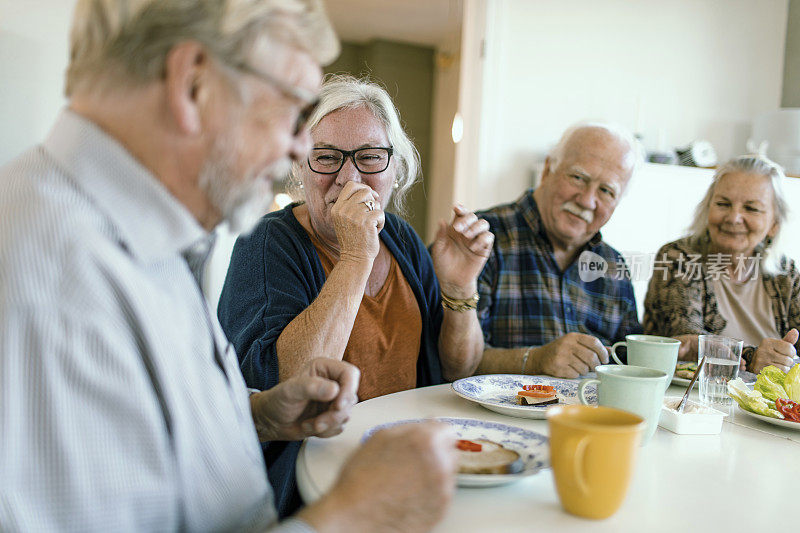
point(122, 407)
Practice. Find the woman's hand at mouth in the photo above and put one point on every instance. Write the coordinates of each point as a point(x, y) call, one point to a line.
point(358, 218)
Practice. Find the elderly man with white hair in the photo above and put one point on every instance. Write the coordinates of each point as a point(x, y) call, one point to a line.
point(122, 407)
point(539, 313)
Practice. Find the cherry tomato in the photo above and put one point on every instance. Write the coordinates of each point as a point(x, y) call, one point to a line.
point(788, 408)
point(541, 388)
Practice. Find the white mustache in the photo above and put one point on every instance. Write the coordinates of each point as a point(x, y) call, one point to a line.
point(575, 209)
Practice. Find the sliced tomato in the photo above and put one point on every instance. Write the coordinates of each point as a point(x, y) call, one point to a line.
point(788, 408)
point(537, 394)
point(468, 446)
point(541, 388)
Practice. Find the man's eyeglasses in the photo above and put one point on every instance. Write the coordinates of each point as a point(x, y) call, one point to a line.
point(366, 160)
point(307, 98)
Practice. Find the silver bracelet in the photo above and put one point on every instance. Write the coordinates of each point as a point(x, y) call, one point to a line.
point(525, 358)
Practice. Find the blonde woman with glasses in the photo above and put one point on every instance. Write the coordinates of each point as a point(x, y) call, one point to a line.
point(335, 275)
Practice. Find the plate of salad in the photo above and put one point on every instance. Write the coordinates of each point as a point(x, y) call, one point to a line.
point(774, 398)
point(791, 424)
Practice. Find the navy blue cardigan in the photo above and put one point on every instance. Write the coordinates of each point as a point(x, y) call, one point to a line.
point(274, 275)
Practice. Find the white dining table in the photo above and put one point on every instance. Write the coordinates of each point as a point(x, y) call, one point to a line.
point(746, 478)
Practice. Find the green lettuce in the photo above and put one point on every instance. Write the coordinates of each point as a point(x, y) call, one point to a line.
point(774, 373)
point(751, 400)
point(770, 383)
point(792, 383)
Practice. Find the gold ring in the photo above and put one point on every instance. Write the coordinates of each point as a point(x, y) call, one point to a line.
point(370, 205)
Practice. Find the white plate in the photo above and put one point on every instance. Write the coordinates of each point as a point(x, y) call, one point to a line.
point(747, 377)
point(498, 392)
point(531, 446)
point(774, 421)
point(680, 381)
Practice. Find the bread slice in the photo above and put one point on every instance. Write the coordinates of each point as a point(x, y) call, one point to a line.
point(492, 459)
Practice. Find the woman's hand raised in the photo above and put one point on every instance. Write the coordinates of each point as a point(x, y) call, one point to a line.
point(460, 251)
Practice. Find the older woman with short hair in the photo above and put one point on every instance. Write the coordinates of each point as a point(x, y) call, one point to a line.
point(336, 276)
point(728, 277)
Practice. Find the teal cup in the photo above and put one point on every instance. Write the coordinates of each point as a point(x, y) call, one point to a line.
point(635, 389)
point(650, 351)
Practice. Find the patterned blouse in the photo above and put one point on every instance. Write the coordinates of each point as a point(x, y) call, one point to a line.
point(681, 300)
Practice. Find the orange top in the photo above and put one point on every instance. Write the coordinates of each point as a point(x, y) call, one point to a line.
point(384, 342)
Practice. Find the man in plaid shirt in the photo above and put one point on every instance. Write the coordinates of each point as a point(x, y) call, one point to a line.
point(553, 294)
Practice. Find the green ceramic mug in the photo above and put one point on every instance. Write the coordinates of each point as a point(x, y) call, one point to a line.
point(635, 389)
point(650, 351)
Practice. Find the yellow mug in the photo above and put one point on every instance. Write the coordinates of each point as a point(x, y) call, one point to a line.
point(592, 452)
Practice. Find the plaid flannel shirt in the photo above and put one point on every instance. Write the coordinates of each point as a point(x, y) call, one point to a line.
point(525, 298)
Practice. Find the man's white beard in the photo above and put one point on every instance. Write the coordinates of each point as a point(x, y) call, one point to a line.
point(242, 203)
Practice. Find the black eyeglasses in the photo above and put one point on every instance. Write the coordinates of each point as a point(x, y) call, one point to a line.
point(366, 160)
point(309, 100)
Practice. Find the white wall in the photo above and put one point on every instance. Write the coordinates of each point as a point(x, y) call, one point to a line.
point(790, 96)
point(33, 57)
point(470, 101)
point(680, 70)
point(692, 68)
point(439, 182)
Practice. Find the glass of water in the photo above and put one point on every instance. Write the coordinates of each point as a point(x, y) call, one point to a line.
point(722, 365)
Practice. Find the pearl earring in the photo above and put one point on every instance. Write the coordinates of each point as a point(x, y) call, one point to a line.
point(396, 185)
point(300, 184)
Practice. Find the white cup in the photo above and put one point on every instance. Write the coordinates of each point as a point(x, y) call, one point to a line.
point(635, 389)
point(650, 351)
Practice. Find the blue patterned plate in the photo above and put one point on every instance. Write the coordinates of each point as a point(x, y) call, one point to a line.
point(531, 446)
point(498, 392)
